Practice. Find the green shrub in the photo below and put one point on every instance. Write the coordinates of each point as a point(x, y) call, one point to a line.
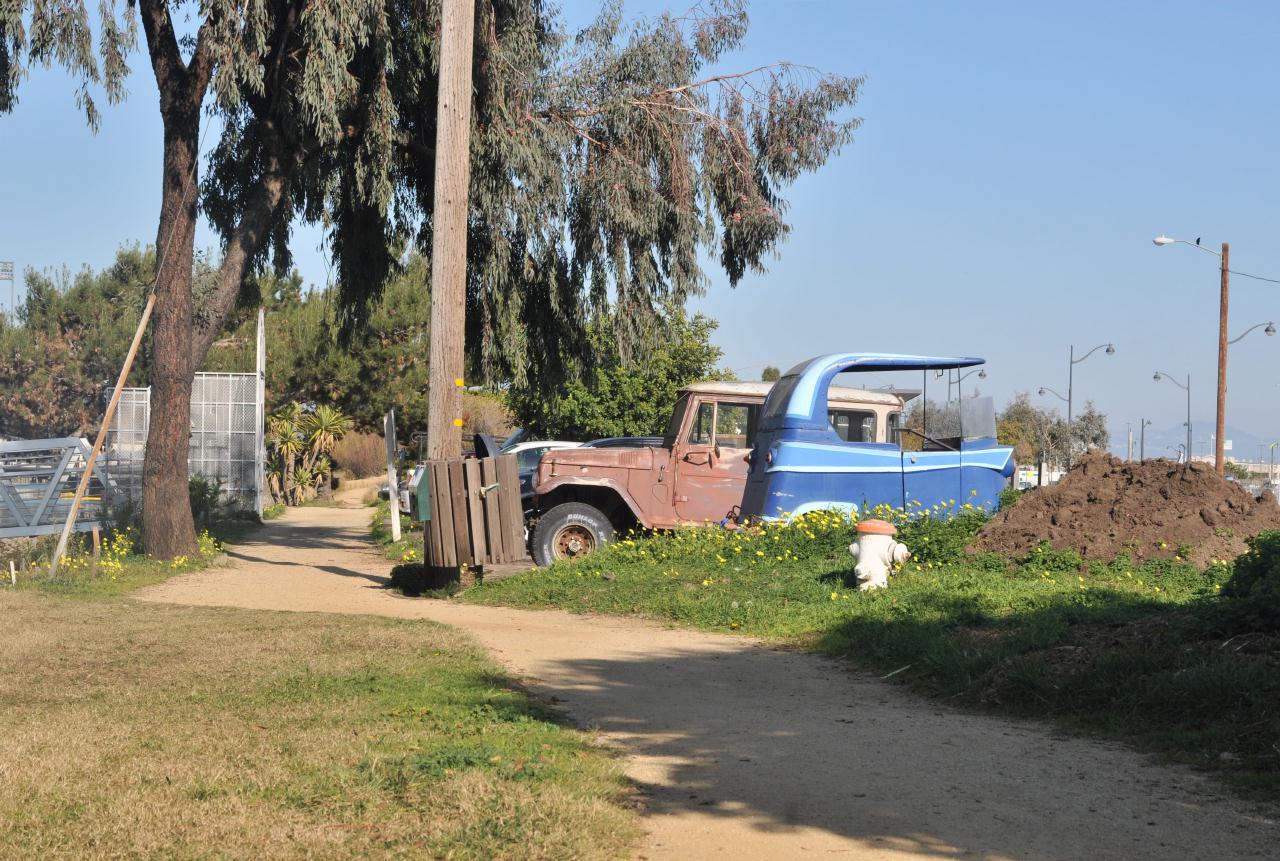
point(205, 494)
point(1257, 572)
point(1045, 558)
point(1009, 496)
point(942, 537)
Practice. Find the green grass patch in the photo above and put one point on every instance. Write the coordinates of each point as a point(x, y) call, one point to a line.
point(1151, 655)
point(121, 567)
point(266, 735)
point(409, 548)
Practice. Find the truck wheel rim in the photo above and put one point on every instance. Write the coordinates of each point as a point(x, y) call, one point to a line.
point(574, 541)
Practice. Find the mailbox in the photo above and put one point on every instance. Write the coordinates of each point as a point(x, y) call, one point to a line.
point(419, 493)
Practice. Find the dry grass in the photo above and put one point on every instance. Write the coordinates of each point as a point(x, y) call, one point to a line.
point(363, 454)
point(150, 731)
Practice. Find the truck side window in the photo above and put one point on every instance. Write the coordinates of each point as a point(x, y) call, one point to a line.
point(853, 425)
point(736, 425)
point(700, 433)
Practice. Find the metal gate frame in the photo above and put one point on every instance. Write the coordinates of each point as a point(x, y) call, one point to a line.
point(38, 479)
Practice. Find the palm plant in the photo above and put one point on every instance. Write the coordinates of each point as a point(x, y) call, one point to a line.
point(300, 442)
point(324, 427)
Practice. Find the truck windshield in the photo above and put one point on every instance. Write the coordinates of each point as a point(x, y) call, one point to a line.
point(776, 404)
point(677, 417)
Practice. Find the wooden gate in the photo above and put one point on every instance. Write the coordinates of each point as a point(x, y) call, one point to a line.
point(476, 515)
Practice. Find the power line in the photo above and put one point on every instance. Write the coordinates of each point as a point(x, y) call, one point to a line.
point(1255, 277)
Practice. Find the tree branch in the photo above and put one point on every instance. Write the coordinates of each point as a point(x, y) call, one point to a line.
point(200, 69)
point(162, 46)
point(261, 209)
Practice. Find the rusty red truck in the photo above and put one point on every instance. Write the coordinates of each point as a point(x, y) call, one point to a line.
point(584, 497)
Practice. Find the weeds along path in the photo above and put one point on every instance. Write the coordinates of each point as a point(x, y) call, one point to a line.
point(743, 751)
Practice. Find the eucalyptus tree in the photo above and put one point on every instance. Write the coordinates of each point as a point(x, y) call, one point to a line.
point(603, 164)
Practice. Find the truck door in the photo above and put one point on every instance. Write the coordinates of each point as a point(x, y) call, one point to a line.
point(711, 460)
point(930, 477)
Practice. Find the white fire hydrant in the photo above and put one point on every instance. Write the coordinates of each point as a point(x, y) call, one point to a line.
point(877, 553)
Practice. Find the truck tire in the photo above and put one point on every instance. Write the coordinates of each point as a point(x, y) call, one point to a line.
point(570, 531)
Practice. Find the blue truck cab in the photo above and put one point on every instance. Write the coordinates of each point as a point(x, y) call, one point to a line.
point(800, 463)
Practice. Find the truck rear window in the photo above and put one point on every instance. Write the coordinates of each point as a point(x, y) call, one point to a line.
point(853, 425)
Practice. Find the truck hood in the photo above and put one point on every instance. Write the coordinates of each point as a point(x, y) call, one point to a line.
point(571, 461)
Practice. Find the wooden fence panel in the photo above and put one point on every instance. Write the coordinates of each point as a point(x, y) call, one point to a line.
point(458, 500)
point(492, 521)
point(512, 510)
point(477, 517)
point(475, 512)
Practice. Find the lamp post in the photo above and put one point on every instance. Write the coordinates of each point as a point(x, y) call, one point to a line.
point(1045, 390)
point(1187, 388)
point(1219, 459)
point(1142, 440)
point(1071, 379)
point(960, 378)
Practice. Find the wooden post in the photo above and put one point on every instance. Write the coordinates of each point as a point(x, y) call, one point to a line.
point(393, 487)
point(97, 551)
point(102, 436)
point(1219, 461)
point(449, 231)
point(449, 269)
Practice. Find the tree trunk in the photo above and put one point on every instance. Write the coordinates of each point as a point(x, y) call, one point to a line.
point(167, 526)
point(178, 346)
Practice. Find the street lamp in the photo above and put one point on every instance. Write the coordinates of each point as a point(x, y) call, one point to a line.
point(1071, 369)
point(1219, 458)
point(1269, 331)
point(1187, 388)
point(1143, 424)
point(1046, 389)
point(960, 378)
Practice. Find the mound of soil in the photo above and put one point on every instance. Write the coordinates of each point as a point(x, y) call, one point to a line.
point(1106, 506)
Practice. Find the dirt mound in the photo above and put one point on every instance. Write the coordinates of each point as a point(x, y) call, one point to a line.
point(1106, 506)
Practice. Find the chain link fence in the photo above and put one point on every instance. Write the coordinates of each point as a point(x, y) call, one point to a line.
point(226, 446)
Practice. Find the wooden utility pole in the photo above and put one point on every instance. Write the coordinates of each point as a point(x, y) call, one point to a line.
point(1219, 461)
point(449, 231)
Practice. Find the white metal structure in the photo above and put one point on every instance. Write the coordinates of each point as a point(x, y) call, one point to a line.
point(226, 437)
point(37, 481)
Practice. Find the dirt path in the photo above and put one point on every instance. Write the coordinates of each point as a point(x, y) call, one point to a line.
point(743, 751)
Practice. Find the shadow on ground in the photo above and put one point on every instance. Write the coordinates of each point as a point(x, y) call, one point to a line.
point(788, 743)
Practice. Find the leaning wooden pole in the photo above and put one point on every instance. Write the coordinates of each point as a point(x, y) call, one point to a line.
point(102, 436)
point(449, 231)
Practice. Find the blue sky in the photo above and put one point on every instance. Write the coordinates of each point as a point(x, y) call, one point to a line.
point(1000, 199)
